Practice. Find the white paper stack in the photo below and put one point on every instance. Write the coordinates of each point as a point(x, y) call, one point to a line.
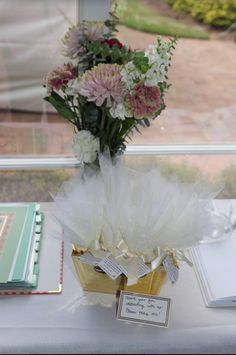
point(215, 267)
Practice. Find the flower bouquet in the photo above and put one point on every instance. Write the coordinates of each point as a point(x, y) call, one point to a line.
point(107, 90)
point(129, 228)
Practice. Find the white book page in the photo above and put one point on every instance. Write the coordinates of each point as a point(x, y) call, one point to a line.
point(201, 275)
point(218, 262)
point(50, 264)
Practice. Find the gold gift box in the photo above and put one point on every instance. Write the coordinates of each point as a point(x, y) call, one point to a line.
point(94, 281)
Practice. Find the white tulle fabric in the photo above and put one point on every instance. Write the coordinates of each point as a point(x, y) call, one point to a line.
point(140, 207)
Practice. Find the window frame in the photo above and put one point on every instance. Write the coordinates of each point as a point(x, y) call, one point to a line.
point(102, 8)
point(58, 162)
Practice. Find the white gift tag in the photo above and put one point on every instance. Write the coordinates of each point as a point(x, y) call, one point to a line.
point(143, 269)
point(110, 267)
point(88, 258)
point(171, 270)
point(146, 309)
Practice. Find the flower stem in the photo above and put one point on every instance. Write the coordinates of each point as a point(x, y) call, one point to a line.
point(75, 109)
point(103, 119)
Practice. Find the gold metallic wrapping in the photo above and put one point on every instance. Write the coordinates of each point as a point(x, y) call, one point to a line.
point(94, 281)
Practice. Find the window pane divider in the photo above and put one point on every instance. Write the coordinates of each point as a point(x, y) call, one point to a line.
point(58, 161)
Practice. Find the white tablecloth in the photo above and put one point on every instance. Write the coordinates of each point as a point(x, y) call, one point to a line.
point(41, 324)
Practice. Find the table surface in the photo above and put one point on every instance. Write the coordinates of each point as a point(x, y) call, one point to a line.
point(45, 323)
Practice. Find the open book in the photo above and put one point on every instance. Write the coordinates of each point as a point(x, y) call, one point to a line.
point(215, 266)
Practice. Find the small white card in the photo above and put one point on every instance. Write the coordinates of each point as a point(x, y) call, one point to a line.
point(110, 267)
point(143, 269)
point(88, 258)
point(146, 309)
point(171, 270)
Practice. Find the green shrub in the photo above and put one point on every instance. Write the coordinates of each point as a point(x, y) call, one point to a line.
point(181, 5)
point(140, 16)
point(227, 180)
point(216, 13)
point(28, 186)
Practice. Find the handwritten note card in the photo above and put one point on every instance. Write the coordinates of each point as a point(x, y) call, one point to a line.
point(146, 309)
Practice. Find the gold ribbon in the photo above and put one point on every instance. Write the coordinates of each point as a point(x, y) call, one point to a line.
point(127, 260)
point(179, 254)
point(176, 254)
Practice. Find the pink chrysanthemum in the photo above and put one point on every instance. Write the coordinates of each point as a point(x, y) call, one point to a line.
point(144, 101)
point(103, 84)
point(75, 38)
point(59, 77)
point(94, 31)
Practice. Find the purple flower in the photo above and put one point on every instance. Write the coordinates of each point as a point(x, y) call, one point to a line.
point(103, 84)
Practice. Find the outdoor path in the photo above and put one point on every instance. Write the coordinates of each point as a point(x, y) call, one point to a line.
point(201, 103)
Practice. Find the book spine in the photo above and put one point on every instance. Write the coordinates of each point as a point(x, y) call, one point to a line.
point(36, 248)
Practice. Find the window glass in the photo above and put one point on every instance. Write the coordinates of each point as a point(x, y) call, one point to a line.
point(217, 171)
point(32, 185)
point(200, 103)
point(201, 106)
point(30, 46)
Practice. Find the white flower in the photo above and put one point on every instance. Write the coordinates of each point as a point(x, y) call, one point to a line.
point(159, 53)
point(120, 111)
point(72, 87)
point(85, 146)
point(155, 75)
point(159, 57)
point(131, 75)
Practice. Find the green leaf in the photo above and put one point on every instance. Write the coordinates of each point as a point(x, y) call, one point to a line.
point(115, 54)
point(127, 124)
point(163, 106)
point(91, 116)
point(102, 140)
point(147, 122)
point(95, 48)
point(60, 105)
point(57, 97)
point(141, 61)
point(81, 100)
point(136, 127)
point(105, 50)
point(115, 128)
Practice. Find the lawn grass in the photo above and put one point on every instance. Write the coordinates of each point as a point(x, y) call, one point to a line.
point(135, 14)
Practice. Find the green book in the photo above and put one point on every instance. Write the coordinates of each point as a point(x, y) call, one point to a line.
point(20, 236)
